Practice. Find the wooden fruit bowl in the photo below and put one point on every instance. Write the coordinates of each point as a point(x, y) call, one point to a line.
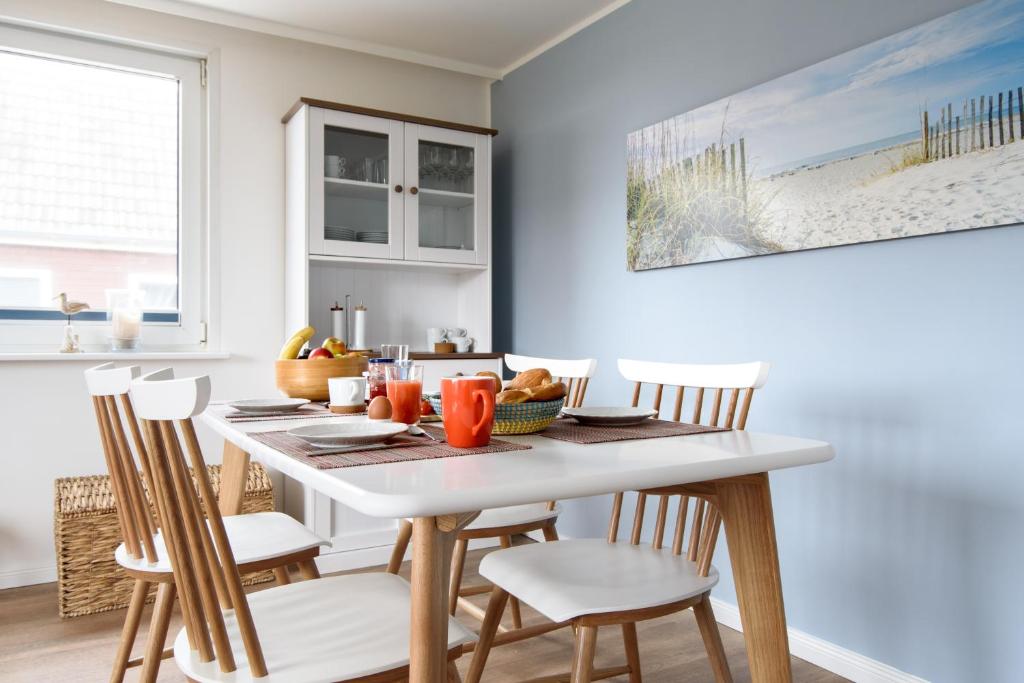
point(308, 378)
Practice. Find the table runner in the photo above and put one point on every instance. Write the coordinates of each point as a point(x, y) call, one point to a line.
point(400, 449)
point(568, 429)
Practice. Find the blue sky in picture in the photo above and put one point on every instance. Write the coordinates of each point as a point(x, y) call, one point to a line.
point(862, 99)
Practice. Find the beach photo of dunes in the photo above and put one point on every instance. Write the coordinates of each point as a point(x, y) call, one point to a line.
point(911, 135)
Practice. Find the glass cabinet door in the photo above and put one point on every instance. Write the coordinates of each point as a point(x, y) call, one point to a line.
point(446, 207)
point(360, 211)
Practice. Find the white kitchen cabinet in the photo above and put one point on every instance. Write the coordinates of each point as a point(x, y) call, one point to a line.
point(405, 231)
point(384, 188)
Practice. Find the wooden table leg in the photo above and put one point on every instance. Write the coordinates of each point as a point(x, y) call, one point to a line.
point(428, 644)
point(233, 474)
point(746, 507)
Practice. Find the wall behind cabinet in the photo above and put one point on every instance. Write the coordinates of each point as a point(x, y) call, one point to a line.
point(260, 77)
point(907, 355)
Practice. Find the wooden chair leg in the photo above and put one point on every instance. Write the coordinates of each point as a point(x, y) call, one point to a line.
point(632, 652)
point(583, 654)
point(712, 640)
point(453, 673)
point(401, 545)
point(550, 533)
point(517, 615)
point(308, 569)
point(130, 630)
point(458, 562)
point(489, 627)
point(282, 576)
point(158, 624)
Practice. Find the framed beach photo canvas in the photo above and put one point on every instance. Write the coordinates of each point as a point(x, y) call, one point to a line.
point(914, 134)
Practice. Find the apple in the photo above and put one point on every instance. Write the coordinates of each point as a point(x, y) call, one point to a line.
point(335, 346)
point(426, 408)
point(320, 353)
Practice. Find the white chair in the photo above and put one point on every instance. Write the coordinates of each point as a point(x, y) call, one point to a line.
point(503, 523)
point(341, 628)
point(262, 540)
point(599, 582)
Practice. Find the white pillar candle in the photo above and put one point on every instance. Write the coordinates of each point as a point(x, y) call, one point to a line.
point(359, 328)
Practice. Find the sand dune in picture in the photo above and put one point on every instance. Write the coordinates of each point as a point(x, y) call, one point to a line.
point(864, 199)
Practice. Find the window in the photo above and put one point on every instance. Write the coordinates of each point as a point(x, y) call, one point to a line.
point(100, 186)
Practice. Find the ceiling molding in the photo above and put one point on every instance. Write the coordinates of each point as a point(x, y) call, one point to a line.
point(274, 28)
point(563, 36)
point(191, 11)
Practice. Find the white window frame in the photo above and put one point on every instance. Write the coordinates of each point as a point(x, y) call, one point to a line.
point(189, 333)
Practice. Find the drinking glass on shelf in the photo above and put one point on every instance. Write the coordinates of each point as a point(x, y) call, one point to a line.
point(405, 391)
point(396, 352)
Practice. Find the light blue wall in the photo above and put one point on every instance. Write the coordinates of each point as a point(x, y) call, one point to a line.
point(906, 355)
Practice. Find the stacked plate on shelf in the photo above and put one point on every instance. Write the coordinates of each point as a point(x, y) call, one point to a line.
point(373, 237)
point(335, 233)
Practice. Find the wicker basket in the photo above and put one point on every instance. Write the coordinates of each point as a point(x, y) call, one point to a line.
point(517, 418)
point(86, 532)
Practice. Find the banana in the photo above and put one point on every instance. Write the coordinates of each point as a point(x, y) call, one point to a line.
point(290, 350)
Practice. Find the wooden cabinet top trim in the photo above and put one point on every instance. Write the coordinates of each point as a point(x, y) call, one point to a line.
point(379, 113)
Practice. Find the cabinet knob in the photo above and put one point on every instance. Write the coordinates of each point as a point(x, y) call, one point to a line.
point(413, 190)
point(398, 188)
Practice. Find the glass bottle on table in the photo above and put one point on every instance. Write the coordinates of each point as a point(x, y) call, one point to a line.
point(377, 377)
point(405, 391)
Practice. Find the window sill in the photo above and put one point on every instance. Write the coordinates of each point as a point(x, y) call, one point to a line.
point(100, 356)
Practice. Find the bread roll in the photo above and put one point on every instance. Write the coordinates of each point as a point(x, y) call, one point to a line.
point(530, 378)
point(512, 396)
point(547, 392)
point(492, 375)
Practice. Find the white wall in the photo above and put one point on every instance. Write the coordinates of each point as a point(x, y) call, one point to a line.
point(46, 425)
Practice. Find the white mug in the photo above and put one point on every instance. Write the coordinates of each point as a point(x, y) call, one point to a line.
point(435, 335)
point(334, 166)
point(456, 332)
point(347, 391)
point(463, 344)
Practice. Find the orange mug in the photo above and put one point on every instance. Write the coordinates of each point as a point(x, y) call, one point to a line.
point(467, 409)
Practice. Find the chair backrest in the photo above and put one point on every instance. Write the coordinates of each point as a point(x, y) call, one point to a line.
point(575, 374)
point(737, 378)
point(205, 572)
point(108, 385)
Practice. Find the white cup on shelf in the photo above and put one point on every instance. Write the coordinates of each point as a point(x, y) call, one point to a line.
point(463, 344)
point(436, 335)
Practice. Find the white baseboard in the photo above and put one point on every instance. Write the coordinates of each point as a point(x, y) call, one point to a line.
point(828, 656)
point(27, 577)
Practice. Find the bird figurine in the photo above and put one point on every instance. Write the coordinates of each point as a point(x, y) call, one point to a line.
point(70, 308)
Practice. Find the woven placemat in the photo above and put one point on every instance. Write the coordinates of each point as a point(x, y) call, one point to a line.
point(306, 412)
point(567, 429)
point(400, 449)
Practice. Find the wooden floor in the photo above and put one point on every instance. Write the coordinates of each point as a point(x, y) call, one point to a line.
point(37, 646)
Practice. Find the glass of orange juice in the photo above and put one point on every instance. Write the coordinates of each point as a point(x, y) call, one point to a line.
point(405, 391)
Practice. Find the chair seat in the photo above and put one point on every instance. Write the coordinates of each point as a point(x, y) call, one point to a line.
point(513, 516)
point(591, 576)
point(333, 629)
point(253, 537)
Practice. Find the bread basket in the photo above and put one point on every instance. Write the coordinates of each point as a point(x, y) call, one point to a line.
point(517, 418)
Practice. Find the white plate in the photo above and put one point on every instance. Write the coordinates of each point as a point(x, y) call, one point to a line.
point(609, 416)
point(268, 405)
point(348, 433)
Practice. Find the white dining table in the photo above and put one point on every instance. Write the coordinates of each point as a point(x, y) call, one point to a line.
point(444, 494)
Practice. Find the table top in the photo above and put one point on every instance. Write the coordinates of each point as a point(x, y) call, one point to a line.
point(550, 470)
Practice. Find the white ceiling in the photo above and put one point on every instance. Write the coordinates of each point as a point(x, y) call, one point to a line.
point(482, 37)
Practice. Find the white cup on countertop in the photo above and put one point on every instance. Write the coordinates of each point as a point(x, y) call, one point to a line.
point(347, 393)
point(463, 344)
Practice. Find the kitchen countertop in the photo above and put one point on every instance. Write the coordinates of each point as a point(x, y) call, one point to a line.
point(469, 355)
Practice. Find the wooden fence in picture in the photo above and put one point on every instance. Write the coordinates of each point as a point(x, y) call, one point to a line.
point(981, 122)
point(720, 165)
